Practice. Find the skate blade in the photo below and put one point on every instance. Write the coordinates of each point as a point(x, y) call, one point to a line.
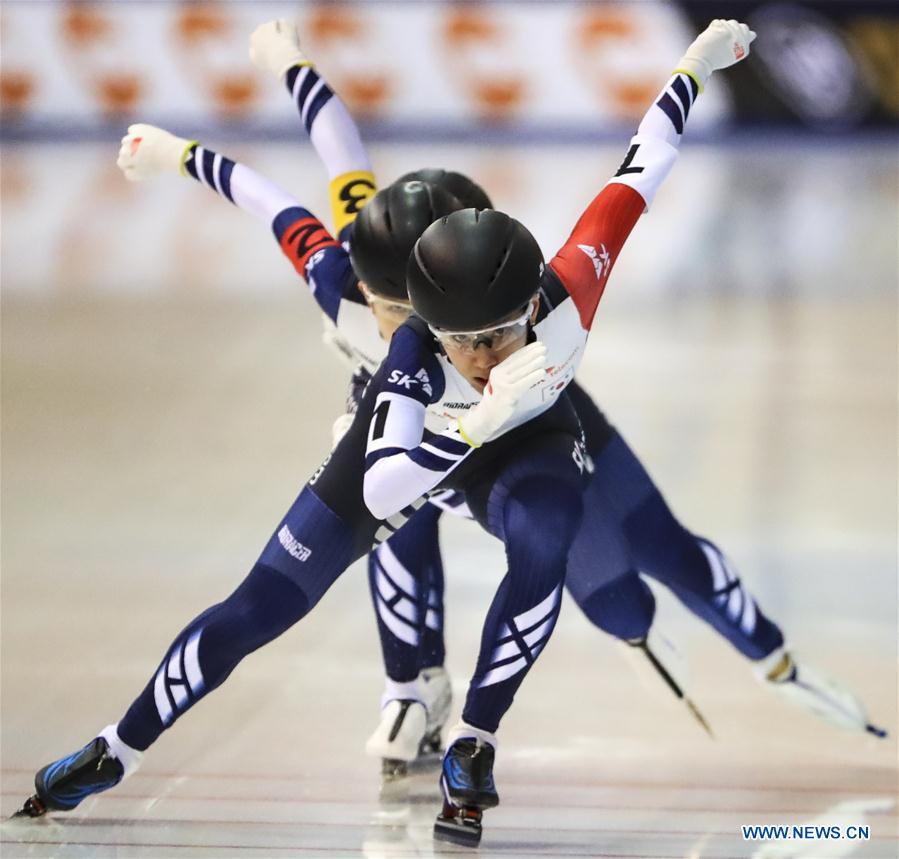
point(673, 685)
point(425, 765)
point(699, 717)
point(465, 832)
point(431, 744)
point(33, 807)
point(393, 769)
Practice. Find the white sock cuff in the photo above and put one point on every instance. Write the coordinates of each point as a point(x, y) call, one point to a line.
point(461, 730)
point(408, 691)
point(129, 758)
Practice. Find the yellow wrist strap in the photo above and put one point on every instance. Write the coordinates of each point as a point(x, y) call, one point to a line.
point(464, 435)
point(190, 145)
point(689, 74)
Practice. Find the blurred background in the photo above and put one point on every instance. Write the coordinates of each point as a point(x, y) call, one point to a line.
point(165, 392)
point(505, 84)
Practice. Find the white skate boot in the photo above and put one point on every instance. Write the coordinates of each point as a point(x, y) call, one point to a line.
point(437, 691)
point(403, 725)
point(813, 690)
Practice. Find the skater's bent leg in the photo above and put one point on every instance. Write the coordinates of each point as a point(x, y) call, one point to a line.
point(400, 573)
point(417, 694)
point(693, 568)
point(433, 651)
point(304, 557)
point(730, 609)
point(537, 517)
point(601, 577)
point(624, 608)
point(209, 648)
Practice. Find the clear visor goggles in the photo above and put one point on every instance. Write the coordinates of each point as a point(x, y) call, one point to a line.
point(495, 337)
point(392, 307)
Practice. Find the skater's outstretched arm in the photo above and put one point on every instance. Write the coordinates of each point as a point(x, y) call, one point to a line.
point(585, 260)
point(147, 151)
point(275, 48)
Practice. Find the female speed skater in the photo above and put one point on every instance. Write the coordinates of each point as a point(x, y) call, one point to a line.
point(627, 524)
point(497, 337)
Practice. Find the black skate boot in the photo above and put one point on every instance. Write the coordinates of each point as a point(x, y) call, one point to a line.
point(62, 785)
point(468, 788)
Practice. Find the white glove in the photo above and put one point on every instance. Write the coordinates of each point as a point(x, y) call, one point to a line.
point(720, 45)
point(339, 429)
point(275, 47)
point(508, 383)
point(147, 151)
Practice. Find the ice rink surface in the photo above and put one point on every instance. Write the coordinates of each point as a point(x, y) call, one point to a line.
point(746, 349)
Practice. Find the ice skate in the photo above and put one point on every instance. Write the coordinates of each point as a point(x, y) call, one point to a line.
point(62, 785)
point(813, 690)
point(658, 659)
point(467, 784)
point(437, 691)
point(399, 736)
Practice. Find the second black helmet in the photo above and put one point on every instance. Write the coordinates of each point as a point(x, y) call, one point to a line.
point(387, 228)
point(473, 268)
point(466, 190)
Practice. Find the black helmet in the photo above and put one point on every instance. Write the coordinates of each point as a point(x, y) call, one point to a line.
point(467, 192)
point(387, 228)
point(473, 268)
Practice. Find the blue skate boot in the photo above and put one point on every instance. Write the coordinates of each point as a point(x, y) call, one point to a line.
point(62, 785)
point(467, 783)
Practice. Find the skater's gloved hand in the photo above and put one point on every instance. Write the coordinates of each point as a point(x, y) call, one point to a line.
point(720, 45)
point(147, 151)
point(275, 47)
point(339, 429)
point(508, 383)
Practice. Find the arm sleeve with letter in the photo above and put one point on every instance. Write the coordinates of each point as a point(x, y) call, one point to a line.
point(584, 262)
point(401, 465)
point(148, 151)
point(336, 139)
point(312, 250)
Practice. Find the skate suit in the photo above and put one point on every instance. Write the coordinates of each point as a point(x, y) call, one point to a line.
point(524, 484)
point(628, 527)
